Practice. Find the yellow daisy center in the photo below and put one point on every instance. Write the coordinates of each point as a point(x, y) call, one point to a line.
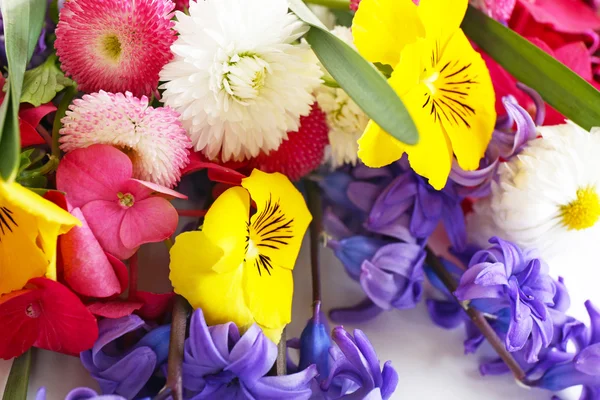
point(583, 212)
point(111, 47)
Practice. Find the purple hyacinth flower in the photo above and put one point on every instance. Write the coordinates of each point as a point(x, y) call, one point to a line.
point(126, 372)
point(519, 281)
point(354, 250)
point(410, 208)
point(505, 144)
point(355, 372)
point(315, 343)
point(393, 278)
point(81, 393)
point(219, 363)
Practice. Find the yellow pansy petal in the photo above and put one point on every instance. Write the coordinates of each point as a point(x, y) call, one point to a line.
point(20, 256)
point(274, 334)
point(467, 100)
point(47, 240)
point(441, 18)
point(36, 205)
point(378, 33)
point(218, 294)
point(377, 148)
point(226, 224)
point(279, 224)
point(268, 295)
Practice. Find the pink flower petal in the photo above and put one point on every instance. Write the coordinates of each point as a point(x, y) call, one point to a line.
point(577, 57)
point(500, 9)
point(86, 268)
point(121, 271)
point(115, 308)
point(105, 219)
point(567, 16)
point(160, 190)
point(95, 173)
point(148, 221)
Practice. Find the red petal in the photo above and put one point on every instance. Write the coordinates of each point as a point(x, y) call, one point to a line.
point(120, 270)
point(65, 324)
point(155, 304)
point(29, 119)
point(29, 136)
point(567, 16)
point(577, 57)
point(218, 173)
point(115, 308)
point(18, 331)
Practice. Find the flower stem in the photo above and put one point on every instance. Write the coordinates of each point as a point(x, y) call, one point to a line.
point(68, 96)
point(476, 317)
point(177, 340)
point(18, 379)
point(168, 243)
point(133, 275)
point(336, 4)
point(191, 213)
point(281, 363)
point(316, 227)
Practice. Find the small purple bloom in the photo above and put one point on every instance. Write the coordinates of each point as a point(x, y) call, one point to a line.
point(352, 251)
point(393, 278)
point(81, 393)
point(410, 208)
point(315, 343)
point(519, 281)
point(219, 363)
point(126, 372)
point(355, 372)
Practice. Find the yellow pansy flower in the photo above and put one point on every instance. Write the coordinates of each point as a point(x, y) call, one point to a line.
point(239, 267)
point(443, 82)
point(29, 227)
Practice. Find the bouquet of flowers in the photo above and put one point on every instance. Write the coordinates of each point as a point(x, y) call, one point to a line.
point(220, 131)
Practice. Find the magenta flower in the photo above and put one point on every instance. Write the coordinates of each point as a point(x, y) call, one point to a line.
point(122, 212)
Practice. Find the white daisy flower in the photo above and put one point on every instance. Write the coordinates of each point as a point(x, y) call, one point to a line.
point(346, 120)
point(324, 14)
point(239, 78)
point(548, 198)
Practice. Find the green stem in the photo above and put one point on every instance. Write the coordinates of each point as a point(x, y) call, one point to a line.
point(168, 243)
point(18, 379)
point(335, 4)
point(68, 96)
point(45, 169)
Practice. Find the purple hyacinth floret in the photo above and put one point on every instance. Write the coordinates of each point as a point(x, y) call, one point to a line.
point(82, 393)
point(519, 281)
point(221, 363)
point(125, 367)
point(355, 372)
point(505, 144)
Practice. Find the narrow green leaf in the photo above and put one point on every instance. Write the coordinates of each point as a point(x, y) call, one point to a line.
point(18, 379)
point(560, 87)
point(41, 84)
point(359, 78)
point(22, 21)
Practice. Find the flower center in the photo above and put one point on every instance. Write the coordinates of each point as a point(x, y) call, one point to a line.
point(583, 212)
point(126, 200)
point(244, 76)
point(429, 80)
point(111, 46)
point(33, 310)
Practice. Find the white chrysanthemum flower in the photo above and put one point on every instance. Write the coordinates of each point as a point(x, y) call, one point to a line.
point(548, 198)
point(346, 120)
point(324, 14)
point(239, 77)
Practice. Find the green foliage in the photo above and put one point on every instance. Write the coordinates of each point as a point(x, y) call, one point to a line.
point(41, 84)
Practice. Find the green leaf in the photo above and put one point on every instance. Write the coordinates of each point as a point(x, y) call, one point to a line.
point(18, 379)
point(22, 21)
point(41, 84)
point(560, 87)
point(359, 78)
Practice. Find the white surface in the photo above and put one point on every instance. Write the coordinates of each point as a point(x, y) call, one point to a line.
point(429, 360)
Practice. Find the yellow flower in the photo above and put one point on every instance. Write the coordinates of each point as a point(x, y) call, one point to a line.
point(442, 80)
point(29, 227)
point(239, 267)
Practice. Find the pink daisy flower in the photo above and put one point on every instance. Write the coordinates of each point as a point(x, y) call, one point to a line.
point(153, 138)
point(117, 45)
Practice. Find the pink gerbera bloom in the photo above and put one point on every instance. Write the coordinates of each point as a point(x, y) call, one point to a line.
point(153, 138)
point(117, 45)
